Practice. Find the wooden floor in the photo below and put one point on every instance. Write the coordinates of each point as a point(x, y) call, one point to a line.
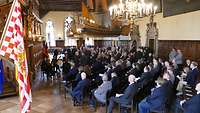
point(46, 99)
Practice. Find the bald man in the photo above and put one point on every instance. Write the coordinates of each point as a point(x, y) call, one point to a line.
point(100, 92)
point(77, 92)
point(128, 95)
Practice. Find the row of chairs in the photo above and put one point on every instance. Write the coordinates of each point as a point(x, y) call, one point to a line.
point(143, 91)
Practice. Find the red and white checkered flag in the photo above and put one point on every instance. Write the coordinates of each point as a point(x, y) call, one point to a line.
point(12, 46)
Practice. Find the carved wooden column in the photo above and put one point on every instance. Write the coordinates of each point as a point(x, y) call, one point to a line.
point(101, 5)
point(135, 35)
point(152, 36)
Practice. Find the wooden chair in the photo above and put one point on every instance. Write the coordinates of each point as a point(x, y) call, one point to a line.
point(188, 92)
point(130, 106)
point(133, 102)
point(86, 93)
point(163, 110)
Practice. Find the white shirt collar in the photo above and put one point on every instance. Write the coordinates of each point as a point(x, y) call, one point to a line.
point(131, 83)
point(194, 68)
point(198, 92)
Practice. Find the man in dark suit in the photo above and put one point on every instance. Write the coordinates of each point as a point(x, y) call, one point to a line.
point(128, 95)
point(118, 69)
point(115, 84)
point(157, 99)
point(76, 58)
point(66, 66)
point(77, 92)
point(84, 59)
point(115, 80)
point(191, 105)
point(145, 77)
point(135, 71)
point(71, 75)
point(192, 76)
point(48, 69)
point(77, 77)
point(157, 67)
point(97, 67)
point(138, 54)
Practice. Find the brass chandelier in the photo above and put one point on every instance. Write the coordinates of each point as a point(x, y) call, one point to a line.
point(132, 9)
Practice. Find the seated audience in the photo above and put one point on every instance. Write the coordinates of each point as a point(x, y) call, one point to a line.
point(78, 92)
point(146, 76)
point(167, 66)
point(190, 106)
point(157, 68)
point(157, 99)
point(128, 95)
point(187, 63)
point(115, 80)
point(66, 67)
point(134, 70)
point(101, 91)
point(171, 75)
point(71, 75)
point(192, 76)
point(77, 77)
point(182, 81)
point(115, 63)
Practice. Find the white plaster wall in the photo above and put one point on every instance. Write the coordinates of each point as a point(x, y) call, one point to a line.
point(180, 27)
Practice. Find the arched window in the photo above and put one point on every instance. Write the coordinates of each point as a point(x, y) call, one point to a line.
point(69, 23)
point(50, 38)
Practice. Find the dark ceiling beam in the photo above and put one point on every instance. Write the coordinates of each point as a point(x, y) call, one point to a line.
point(59, 5)
point(64, 8)
point(64, 4)
point(52, 1)
point(58, 0)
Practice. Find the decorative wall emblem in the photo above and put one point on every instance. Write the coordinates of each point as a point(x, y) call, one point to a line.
point(135, 35)
point(152, 31)
point(68, 26)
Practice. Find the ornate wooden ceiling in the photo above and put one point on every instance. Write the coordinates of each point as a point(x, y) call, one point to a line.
point(59, 5)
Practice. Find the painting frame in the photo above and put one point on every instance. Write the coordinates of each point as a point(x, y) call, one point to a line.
point(176, 7)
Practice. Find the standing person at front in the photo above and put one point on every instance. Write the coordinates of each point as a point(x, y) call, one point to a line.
point(172, 54)
point(179, 59)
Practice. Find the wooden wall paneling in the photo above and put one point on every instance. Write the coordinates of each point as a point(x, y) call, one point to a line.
point(190, 49)
point(197, 52)
point(34, 57)
point(175, 7)
point(60, 43)
point(98, 43)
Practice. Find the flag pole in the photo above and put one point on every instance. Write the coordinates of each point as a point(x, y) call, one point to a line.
point(7, 22)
